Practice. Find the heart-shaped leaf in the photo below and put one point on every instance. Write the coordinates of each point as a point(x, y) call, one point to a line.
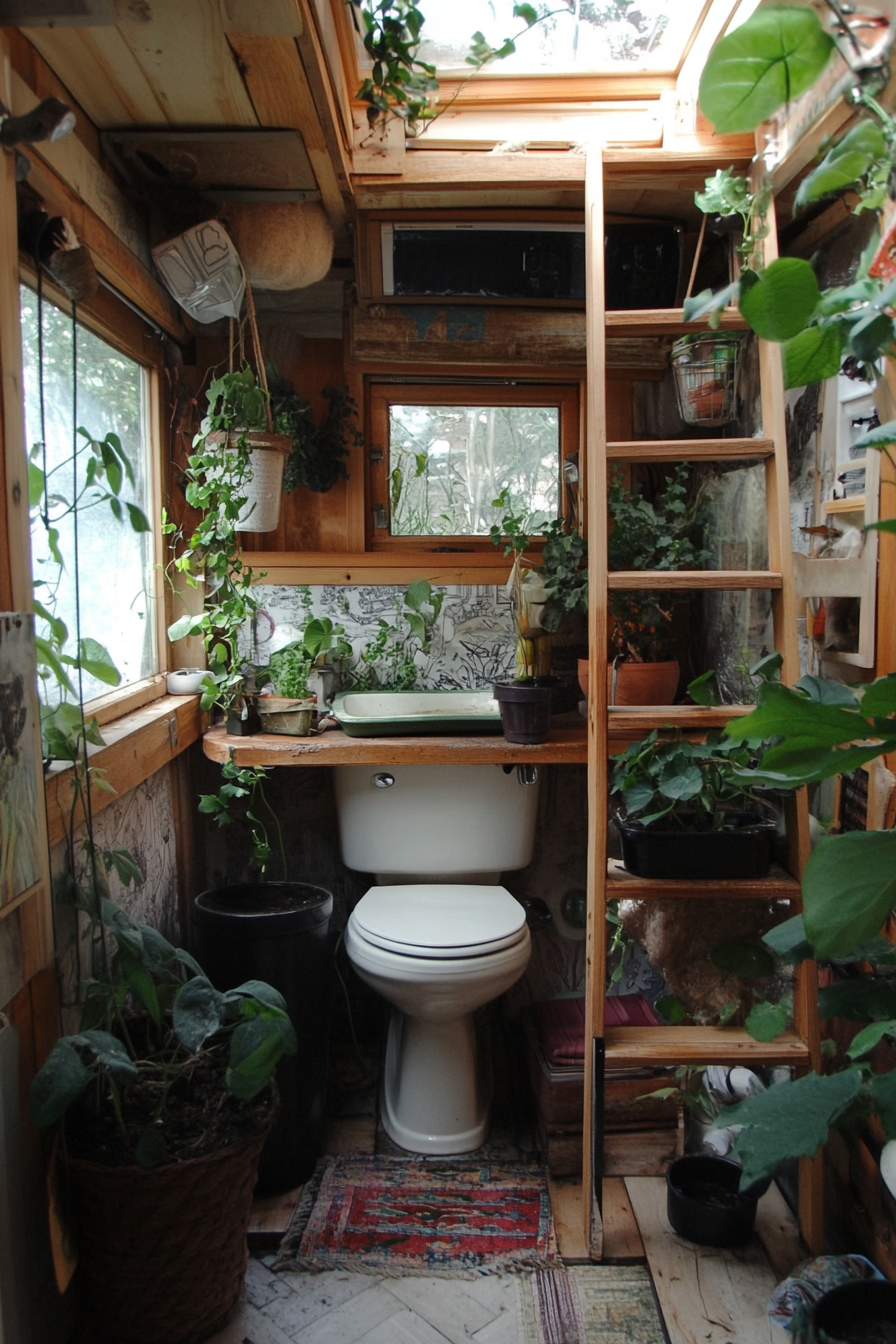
point(779, 302)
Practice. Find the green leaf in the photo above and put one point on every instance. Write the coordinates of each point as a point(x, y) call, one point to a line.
point(143, 987)
point(151, 1150)
point(260, 990)
point(812, 355)
point(766, 62)
point(702, 689)
point(882, 436)
point(198, 1012)
point(185, 626)
point(766, 1021)
point(139, 520)
point(783, 712)
point(866, 1040)
point(866, 998)
point(885, 525)
point(255, 1050)
point(879, 700)
point(826, 692)
point(707, 302)
point(748, 961)
point(110, 1053)
point(60, 1081)
point(671, 1008)
point(849, 889)
point(791, 1119)
point(789, 941)
point(781, 300)
point(883, 1094)
point(872, 337)
point(845, 163)
point(36, 483)
point(96, 660)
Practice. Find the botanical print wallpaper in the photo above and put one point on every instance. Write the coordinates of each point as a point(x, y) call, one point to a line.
point(472, 644)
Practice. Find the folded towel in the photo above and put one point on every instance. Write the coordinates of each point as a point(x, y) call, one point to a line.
point(561, 1024)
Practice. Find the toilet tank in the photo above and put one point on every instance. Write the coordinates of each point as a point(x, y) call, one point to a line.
point(436, 819)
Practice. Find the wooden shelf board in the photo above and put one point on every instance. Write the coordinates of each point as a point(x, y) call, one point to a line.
point(777, 886)
point(642, 580)
point(633, 721)
point(699, 1045)
point(665, 321)
point(567, 745)
point(855, 504)
point(688, 450)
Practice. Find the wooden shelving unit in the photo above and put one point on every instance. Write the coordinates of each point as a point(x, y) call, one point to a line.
point(609, 727)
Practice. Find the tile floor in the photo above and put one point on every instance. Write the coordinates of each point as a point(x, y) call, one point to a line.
point(336, 1308)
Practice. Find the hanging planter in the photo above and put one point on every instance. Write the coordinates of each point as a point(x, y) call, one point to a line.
point(264, 486)
point(705, 369)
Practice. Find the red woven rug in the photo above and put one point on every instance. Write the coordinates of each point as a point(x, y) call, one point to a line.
point(397, 1216)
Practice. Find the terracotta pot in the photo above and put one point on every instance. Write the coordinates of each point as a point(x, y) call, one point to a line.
point(162, 1251)
point(637, 683)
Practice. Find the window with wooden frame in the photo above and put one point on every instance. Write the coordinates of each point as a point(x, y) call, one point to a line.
point(104, 593)
point(442, 453)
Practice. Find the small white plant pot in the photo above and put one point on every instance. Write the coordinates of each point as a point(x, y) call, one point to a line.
point(267, 457)
point(186, 681)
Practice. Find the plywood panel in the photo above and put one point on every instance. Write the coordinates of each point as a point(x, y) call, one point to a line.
point(707, 1296)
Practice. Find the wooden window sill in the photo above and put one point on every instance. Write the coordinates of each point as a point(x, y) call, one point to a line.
point(137, 744)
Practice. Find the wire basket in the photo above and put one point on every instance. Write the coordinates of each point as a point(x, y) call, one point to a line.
point(705, 370)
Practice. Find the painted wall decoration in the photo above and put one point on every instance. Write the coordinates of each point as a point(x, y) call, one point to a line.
point(473, 644)
point(19, 766)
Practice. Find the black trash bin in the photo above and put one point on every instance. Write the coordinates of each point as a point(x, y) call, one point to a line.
point(278, 932)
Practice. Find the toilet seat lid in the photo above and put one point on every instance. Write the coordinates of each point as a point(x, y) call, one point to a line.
point(440, 919)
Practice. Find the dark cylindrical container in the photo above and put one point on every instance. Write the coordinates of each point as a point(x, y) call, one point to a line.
point(278, 932)
point(525, 711)
point(704, 1202)
point(864, 1310)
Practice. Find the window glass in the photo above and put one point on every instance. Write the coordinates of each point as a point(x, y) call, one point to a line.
point(113, 562)
point(618, 36)
point(447, 464)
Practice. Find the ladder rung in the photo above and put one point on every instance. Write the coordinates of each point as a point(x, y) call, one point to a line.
point(700, 1045)
point(688, 450)
point(641, 580)
point(665, 322)
point(625, 886)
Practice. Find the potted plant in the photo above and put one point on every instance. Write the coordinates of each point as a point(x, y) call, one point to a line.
point(690, 810)
point(290, 708)
point(704, 364)
point(704, 1202)
point(664, 534)
point(239, 421)
point(163, 1099)
point(525, 709)
point(317, 451)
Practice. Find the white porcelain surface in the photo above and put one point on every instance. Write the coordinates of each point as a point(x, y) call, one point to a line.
point(444, 920)
point(400, 704)
point(435, 819)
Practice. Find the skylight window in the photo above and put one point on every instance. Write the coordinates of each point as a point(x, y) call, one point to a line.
point(590, 36)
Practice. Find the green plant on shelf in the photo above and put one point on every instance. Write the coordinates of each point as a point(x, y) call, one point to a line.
point(390, 661)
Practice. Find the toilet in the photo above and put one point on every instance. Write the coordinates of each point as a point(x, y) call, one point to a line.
point(438, 936)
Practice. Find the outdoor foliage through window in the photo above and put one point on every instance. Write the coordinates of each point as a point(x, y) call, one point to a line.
point(114, 558)
point(447, 465)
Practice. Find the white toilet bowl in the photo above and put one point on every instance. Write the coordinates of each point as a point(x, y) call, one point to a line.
point(437, 952)
point(439, 937)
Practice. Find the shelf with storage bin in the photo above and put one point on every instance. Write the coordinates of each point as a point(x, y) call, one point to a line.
point(622, 885)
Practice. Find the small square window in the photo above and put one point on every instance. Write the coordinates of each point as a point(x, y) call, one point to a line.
point(442, 454)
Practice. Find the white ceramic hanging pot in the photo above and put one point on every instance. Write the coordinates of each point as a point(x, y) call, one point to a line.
point(267, 457)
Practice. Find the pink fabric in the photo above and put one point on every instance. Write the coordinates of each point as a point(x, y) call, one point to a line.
point(561, 1024)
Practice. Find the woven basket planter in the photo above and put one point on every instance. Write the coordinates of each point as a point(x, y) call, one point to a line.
point(162, 1251)
point(267, 456)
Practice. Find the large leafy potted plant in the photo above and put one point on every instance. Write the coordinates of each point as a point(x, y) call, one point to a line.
point(690, 810)
point(663, 534)
point(163, 1100)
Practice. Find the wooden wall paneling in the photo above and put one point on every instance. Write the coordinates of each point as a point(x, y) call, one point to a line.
point(544, 341)
point(44, 82)
point(334, 123)
point(104, 74)
point(597, 703)
point(355, 497)
point(278, 87)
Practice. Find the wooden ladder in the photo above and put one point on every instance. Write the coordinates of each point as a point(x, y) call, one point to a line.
point(609, 728)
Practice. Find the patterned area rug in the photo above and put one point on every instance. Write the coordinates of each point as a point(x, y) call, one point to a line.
point(610, 1303)
point(395, 1217)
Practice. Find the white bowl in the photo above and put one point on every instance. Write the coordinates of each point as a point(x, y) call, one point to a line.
point(188, 681)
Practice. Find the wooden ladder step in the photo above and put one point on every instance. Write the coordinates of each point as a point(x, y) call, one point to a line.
point(665, 322)
point(640, 580)
point(688, 450)
point(699, 1045)
point(625, 886)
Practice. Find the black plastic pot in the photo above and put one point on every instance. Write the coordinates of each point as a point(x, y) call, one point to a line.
point(743, 850)
point(279, 932)
point(704, 1203)
point(525, 711)
point(861, 1312)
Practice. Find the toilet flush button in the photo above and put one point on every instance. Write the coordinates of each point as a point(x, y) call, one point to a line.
point(382, 780)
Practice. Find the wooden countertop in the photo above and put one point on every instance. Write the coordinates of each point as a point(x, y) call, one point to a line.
point(567, 745)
